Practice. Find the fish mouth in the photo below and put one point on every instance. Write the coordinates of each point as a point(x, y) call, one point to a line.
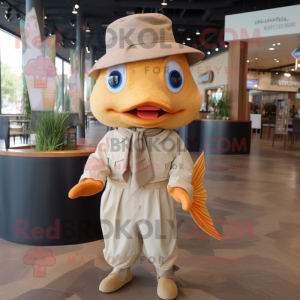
point(147, 112)
point(148, 115)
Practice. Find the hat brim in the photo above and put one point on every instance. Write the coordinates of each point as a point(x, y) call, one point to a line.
point(144, 52)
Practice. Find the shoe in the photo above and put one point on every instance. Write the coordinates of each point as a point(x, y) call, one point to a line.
point(167, 288)
point(112, 283)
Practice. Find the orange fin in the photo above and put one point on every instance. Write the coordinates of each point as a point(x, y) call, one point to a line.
point(198, 210)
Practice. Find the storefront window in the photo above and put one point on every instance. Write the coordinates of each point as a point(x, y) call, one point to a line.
point(67, 76)
point(59, 82)
point(11, 74)
point(87, 88)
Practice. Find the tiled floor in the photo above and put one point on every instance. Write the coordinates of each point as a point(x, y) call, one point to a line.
point(254, 198)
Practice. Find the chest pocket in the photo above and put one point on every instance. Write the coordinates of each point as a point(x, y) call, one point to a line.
point(117, 162)
point(163, 162)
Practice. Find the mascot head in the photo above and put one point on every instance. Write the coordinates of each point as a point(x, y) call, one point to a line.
point(144, 79)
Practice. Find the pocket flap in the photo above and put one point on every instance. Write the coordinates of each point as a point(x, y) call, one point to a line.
point(164, 157)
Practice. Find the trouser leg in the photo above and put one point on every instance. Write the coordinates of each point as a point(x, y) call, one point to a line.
point(159, 232)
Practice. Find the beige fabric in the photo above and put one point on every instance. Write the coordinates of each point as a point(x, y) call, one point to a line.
point(150, 186)
point(167, 273)
point(171, 162)
point(142, 222)
point(140, 37)
point(174, 165)
point(122, 274)
point(137, 158)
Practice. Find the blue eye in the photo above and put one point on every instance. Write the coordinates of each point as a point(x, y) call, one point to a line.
point(174, 76)
point(175, 79)
point(115, 79)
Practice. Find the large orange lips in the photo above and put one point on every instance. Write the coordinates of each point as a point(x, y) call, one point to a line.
point(148, 112)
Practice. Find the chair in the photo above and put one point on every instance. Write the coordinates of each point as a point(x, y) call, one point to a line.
point(270, 124)
point(72, 131)
point(90, 117)
point(256, 122)
point(7, 131)
point(4, 130)
point(296, 129)
point(16, 130)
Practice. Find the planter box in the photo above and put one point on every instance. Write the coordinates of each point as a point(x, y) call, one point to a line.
point(34, 204)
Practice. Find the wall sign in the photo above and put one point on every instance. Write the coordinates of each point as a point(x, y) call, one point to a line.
point(262, 23)
point(252, 83)
point(281, 80)
point(206, 77)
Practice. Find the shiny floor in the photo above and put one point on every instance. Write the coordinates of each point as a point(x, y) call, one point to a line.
point(254, 199)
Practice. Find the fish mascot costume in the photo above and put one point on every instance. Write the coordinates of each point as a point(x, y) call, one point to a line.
point(144, 90)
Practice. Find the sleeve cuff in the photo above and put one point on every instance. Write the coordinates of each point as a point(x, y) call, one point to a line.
point(86, 175)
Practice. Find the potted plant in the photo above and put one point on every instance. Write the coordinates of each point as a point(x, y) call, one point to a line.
point(38, 183)
point(270, 108)
point(221, 104)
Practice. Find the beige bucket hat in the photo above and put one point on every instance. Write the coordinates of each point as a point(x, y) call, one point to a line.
point(140, 37)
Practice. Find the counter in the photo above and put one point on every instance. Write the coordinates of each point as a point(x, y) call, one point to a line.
point(218, 136)
point(34, 204)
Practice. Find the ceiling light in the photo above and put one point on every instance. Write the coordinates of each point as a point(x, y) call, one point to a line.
point(271, 48)
point(276, 73)
point(293, 69)
point(74, 11)
point(274, 45)
point(45, 17)
point(18, 16)
point(287, 74)
point(72, 23)
point(8, 10)
point(278, 43)
point(77, 5)
point(198, 32)
point(217, 49)
point(247, 60)
point(208, 52)
point(183, 42)
point(188, 38)
point(87, 28)
point(7, 16)
point(277, 61)
point(256, 58)
point(164, 2)
point(73, 42)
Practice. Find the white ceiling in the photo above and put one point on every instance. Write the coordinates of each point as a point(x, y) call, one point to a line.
point(266, 58)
